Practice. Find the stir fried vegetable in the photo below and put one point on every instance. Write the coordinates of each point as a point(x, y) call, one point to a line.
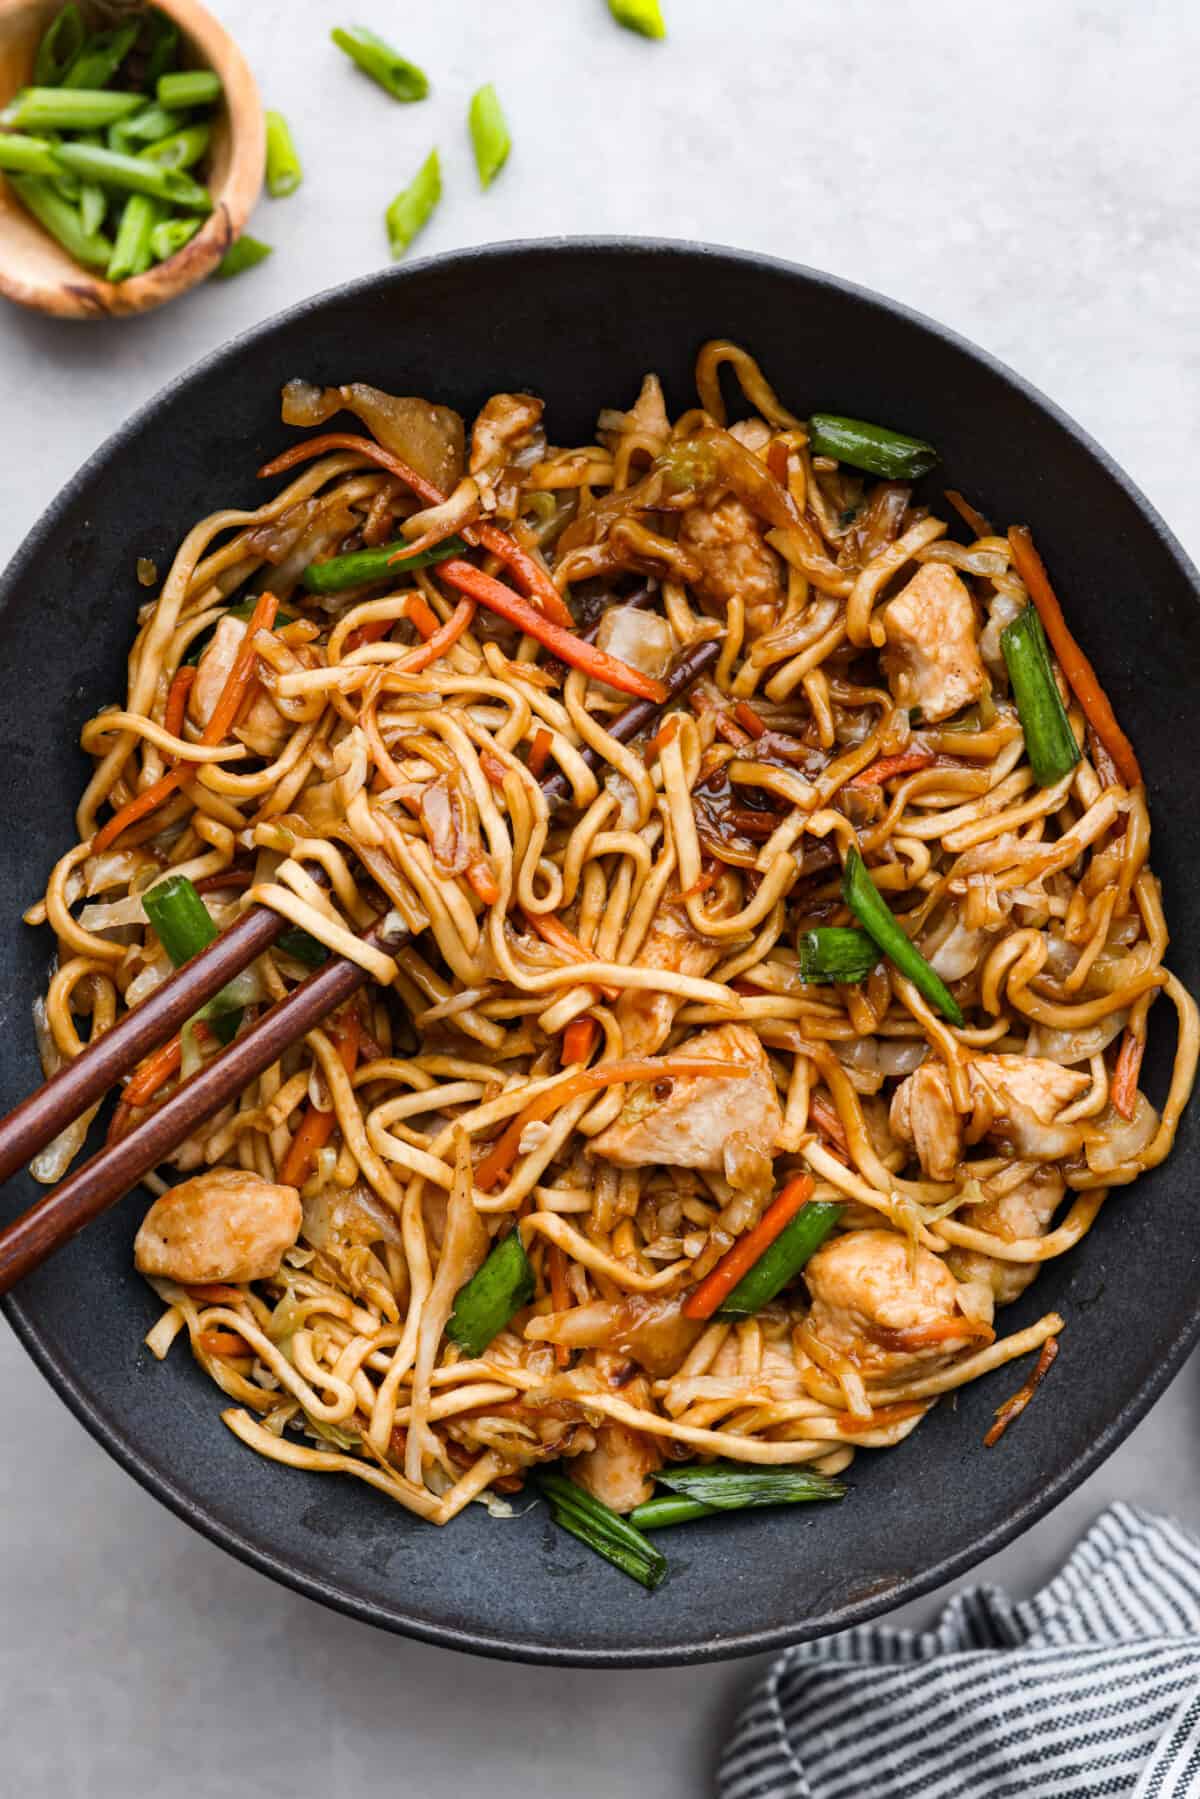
point(1049, 740)
point(184, 926)
point(782, 1260)
point(726, 1285)
point(836, 953)
point(869, 907)
point(360, 566)
point(870, 447)
point(603, 1530)
point(709, 1488)
point(489, 1299)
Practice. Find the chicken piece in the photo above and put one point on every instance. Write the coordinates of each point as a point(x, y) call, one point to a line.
point(1022, 1214)
point(1015, 1100)
point(885, 1316)
point(734, 560)
point(694, 1124)
point(932, 660)
point(620, 1470)
point(504, 424)
point(226, 1225)
point(671, 944)
point(922, 1114)
point(261, 727)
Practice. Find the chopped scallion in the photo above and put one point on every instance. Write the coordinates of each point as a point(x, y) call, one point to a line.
point(489, 134)
point(413, 206)
point(1049, 740)
point(870, 447)
point(394, 73)
point(873, 913)
point(493, 1294)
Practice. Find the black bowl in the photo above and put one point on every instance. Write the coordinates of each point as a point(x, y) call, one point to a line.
point(580, 323)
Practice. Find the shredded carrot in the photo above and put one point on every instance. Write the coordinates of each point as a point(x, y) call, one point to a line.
point(528, 571)
point(908, 762)
point(120, 1122)
point(482, 881)
point(716, 1287)
point(504, 1151)
point(223, 1343)
point(424, 618)
point(1125, 1075)
point(879, 1419)
point(229, 702)
point(980, 525)
point(560, 1295)
point(373, 631)
point(551, 930)
point(539, 750)
point(316, 1128)
point(153, 1072)
point(579, 1040)
point(1012, 1408)
point(749, 720)
point(777, 460)
point(443, 639)
point(1080, 675)
point(667, 732)
point(214, 1293)
point(177, 696)
point(507, 604)
point(827, 1121)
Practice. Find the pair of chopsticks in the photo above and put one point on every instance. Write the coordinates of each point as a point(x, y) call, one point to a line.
point(108, 1175)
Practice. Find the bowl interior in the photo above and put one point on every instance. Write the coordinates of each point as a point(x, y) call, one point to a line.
point(917, 1514)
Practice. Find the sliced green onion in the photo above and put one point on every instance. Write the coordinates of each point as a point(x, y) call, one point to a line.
point(101, 57)
point(836, 953)
point(666, 1509)
point(61, 43)
point(870, 447)
point(1049, 740)
point(394, 73)
point(302, 948)
point(170, 235)
point(489, 134)
point(21, 155)
point(93, 206)
point(184, 926)
point(782, 1260)
point(732, 1486)
point(493, 1294)
point(410, 211)
point(162, 52)
point(245, 254)
point(873, 913)
point(284, 173)
point(134, 174)
point(361, 566)
point(188, 87)
point(132, 254)
point(639, 15)
point(149, 126)
point(61, 220)
point(603, 1530)
point(182, 149)
point(60, 109)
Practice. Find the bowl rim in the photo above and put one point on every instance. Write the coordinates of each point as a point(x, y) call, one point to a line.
point(92, 1414)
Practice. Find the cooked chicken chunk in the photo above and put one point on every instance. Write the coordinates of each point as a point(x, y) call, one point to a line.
point(923, 1115)
point(261, 728)
point(1014, 1099)
point(734, 559)
point(225, 1225)
point(670, 944)
point(620, 1470)
point(932, 659)
point(870, 1306)
point(692, 1125)
point(1023, 1214)
point(504, 424)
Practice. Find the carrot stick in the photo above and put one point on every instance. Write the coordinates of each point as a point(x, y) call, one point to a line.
point(749, 720)
point(777, 461)
point(482, 882)
point(316, 1128)
point(528, 571)
point(579, 1040)
point(153, 1071)
point(443, 639)
point(716, 1287)
point(539, 750)
point(1081, 676)
point(1125, 1075)
point(177, 694)
point(972, 517)
point(906, 763)
point(146, 802)
point(214, 1293)
point(493, 768)
point(1012, 1408)
point(551, 929)
point(223, 1343)
point(506, 604)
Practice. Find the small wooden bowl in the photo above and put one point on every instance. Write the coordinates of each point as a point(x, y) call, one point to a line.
point(35, 271)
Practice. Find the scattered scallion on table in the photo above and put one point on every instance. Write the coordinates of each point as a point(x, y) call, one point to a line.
point(413, 206)
point(705, 1490)
point(360, 566)
point(489, 134)
point(1049, 740)
point(873, 913)
point(644, 16)
point(870, 447)
point(497, 1290)
point(284, 173)
point(183, 88)
point(394, 73)
point(245, 254)
point(836, 953)
point(602, 1529)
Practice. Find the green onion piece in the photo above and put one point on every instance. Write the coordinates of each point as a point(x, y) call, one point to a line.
point(782, 1260)
point(666, 1509)
point(873, 913)
point(101, 57)
point(188, 87)
point(132, 254)
point(489, 134)
point(170, 235)
point(870, 447)
point(410, 211)
point(732, 1486)
point(184, 926)
point(302, 948)
point(493, 1294)
point(836, 953)
point(61, 43)
point(59, 109)
point(149, 126)
point(1049, 740)
point(284, 173)
point(639, 15)
point(21, 155)
point(93, 206)
point(245, 254)
point(162, 50)
point(361, 566)
point(397, 76)
point(182, 150)
point(61, 220)
point(603, 1530)
point(134, 174)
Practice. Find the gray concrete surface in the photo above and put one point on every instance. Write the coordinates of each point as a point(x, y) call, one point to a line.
point(1023, 170)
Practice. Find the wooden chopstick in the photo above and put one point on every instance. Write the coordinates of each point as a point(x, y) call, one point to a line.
point(109, 1174)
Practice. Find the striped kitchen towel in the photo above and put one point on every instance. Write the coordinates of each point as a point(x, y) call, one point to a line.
point(1089, 1689)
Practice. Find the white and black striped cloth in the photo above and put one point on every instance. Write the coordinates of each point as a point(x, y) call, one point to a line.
point(1090, 1689)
